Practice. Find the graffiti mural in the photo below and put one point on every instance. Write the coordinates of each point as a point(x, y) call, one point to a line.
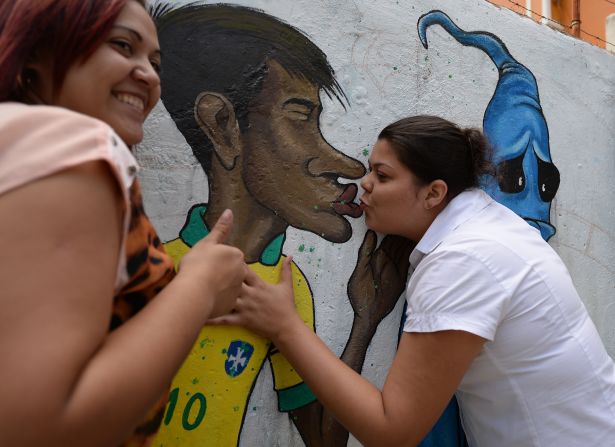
point(254, 118)
point(526, 179)
point(251, 117)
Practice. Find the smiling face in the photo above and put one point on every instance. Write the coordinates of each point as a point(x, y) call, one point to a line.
point(288, 166)
point(119, 82)
point(394, 198)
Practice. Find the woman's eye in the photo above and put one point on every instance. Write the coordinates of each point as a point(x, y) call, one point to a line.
point(122, 45)
point(156, 66)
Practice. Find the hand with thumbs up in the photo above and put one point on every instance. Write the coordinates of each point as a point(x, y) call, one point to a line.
point(215, 268)
point(266, 309)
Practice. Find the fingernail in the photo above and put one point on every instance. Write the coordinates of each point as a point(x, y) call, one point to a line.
point(226, 216)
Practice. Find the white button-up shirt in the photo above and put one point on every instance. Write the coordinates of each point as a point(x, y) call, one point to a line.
point(543, 378)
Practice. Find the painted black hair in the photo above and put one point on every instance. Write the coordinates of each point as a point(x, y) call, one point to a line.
point(224, 49)
point(434, 148)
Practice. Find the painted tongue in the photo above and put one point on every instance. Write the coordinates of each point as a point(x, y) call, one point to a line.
point(344, 204)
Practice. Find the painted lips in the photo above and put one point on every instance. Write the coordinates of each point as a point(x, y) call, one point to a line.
point(345, 205)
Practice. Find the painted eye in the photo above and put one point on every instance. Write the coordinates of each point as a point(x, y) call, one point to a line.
point(548, 180)
point(510, 175)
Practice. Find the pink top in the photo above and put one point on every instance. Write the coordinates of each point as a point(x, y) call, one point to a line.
point(38, 141)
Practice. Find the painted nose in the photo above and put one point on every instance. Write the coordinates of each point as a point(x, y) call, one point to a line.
point(332, 162)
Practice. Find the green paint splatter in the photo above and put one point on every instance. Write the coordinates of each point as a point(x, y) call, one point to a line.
point(302, 248)
point(450, 76)
point(224, 351)
point(253, 408)
point(312, 249)
point(206, 342)
point(235, 408)
point(195, 380)
point(395, 68)
point(366, 152)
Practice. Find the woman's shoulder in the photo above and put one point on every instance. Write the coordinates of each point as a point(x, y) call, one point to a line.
point(16, 114)
point(39, 140)
point(40, 128)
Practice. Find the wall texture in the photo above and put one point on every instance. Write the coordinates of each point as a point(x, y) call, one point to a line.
point(386, 73)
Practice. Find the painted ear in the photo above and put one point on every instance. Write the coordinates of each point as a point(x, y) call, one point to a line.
point(436, 194)
point(216, 117)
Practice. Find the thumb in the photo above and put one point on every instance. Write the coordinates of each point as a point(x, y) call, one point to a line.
point(286, 275)
point(222, 228)
point(233, 319)
point(366, 250)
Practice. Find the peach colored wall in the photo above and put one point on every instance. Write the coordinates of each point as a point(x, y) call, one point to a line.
point(593, 15)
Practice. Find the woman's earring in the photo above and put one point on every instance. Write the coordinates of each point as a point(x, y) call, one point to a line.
point(25, 84)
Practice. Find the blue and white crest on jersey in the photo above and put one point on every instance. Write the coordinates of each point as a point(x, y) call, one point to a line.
point(238, 356)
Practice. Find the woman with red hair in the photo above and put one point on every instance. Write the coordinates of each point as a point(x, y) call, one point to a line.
point(94, 322)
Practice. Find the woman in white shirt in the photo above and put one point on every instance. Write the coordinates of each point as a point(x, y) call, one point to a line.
point(492, 313)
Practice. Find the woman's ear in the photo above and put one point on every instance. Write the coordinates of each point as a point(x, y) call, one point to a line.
point(435, 194)
point(36, 80)
point(216, 117)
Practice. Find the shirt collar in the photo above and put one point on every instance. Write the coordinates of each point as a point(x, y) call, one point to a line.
point(458, 211)
point(195, 229)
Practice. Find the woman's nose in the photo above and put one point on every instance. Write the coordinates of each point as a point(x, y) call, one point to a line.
point(146, 73)
point(366, 182)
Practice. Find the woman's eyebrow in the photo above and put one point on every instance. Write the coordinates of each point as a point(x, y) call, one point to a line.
point(131, 31)
point(137, 36)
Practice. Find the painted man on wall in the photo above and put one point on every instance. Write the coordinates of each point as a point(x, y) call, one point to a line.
point(244, 89)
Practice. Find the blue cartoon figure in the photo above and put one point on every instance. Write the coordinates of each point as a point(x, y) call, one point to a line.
point(526, 179)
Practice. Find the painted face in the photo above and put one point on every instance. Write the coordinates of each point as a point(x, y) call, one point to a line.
point(119, 82)
point(391, 200)
point(289, 167)
point(526, 181)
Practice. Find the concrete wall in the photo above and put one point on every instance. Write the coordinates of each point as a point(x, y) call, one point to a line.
point(379, 61)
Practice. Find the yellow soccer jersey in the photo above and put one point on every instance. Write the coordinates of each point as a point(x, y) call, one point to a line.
point(210, 393)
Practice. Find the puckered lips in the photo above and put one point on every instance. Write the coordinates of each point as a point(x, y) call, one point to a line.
point(345, 205)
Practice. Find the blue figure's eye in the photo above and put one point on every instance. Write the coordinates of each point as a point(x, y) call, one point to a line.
point(510, 175)
point(548, 180)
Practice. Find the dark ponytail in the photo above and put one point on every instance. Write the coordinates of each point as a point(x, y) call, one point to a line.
point(434, 148)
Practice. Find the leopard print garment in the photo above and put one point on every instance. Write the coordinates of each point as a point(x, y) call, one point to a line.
point(149, 269)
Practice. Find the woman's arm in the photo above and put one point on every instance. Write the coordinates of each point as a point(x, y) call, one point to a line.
point(425, 373)
point(65, 380)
